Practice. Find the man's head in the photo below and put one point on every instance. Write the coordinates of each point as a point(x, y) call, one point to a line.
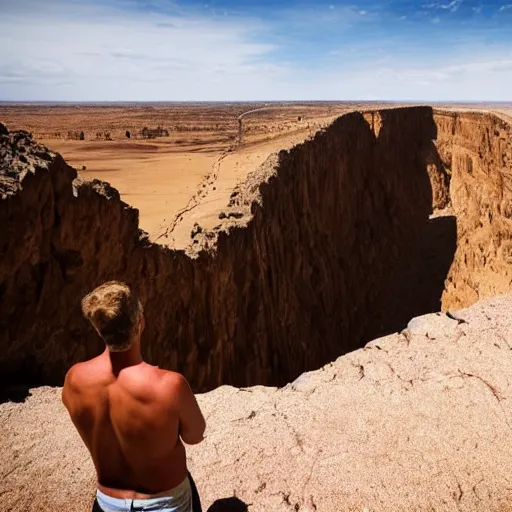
point(115, 313)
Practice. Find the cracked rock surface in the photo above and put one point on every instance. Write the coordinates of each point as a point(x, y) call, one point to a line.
point(417, 421)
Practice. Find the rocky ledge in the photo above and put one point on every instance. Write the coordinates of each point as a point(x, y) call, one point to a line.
point(417, 421)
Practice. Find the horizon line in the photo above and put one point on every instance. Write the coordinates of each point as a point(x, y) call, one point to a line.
point(160, 102)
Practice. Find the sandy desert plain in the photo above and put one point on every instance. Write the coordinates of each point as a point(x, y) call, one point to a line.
point(197, 152)
point(197, 158)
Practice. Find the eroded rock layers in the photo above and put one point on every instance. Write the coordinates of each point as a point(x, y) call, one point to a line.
point(477, 151)
point(341, 247)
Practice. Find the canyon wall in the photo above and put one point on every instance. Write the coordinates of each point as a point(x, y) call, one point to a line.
point(339, 248)
point(477, 151)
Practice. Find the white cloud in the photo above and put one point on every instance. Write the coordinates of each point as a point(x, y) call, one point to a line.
point(112, 54)
point(339, 17)
point(466, 81)
point(451, 6)
point(58, 50)
point(505, 7)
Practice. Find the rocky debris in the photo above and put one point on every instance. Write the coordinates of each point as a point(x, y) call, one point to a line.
point(413, 421)
point(196, 230)
point(231, 215)
point(19, 156)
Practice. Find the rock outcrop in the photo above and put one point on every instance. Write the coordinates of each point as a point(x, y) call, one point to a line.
point(340, 247)
point(477, 152)
point(417, 421)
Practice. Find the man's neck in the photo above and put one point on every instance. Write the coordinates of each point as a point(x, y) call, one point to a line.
point(121, 360)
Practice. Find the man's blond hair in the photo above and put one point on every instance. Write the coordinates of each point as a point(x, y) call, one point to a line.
point(115, 313)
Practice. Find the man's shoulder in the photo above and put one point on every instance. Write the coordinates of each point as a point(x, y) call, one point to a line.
point(74, 384)
point(82, 374)
point(168, 378)
point(75, 374)
point(167, 381)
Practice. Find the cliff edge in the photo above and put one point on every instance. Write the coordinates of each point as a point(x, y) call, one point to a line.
point(380, 217)
point(417, 421)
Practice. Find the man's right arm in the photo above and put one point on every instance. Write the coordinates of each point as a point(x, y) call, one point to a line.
point(191, 421)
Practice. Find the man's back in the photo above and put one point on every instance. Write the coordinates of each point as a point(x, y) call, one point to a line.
point(131, 419)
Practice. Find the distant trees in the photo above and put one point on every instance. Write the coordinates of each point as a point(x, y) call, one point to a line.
point(103, 136)
point(74, 135)
point(152, 133)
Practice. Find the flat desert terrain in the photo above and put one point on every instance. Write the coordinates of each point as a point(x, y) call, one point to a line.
point(160, 172)
point(178, 163)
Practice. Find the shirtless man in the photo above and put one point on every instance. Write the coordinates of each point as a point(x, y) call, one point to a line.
point(133, 417)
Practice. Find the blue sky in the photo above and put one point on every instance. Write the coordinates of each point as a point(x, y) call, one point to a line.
point(227, 50)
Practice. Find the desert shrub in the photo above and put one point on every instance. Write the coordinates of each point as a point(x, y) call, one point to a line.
point(82, 135)
point(73, 135)
point(103, 136)
point(152, 133)
point(128, 134)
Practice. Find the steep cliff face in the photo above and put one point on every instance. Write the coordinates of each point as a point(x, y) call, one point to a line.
point(55, 238)
point(339, 248)
point(477, 149)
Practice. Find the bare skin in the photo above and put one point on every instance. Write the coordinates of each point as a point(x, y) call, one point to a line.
point(133, 418)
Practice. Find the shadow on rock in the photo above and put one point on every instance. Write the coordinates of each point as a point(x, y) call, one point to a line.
point(228, 505)
point(17, 394)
